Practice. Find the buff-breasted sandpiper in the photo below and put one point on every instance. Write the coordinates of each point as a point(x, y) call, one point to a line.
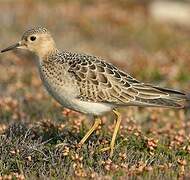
point(90, 85)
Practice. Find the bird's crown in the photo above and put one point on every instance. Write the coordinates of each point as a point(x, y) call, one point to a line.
point(35, 30)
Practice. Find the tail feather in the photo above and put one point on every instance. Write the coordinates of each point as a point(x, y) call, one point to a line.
point(180, 99)
point(168, 98)
point(160, 102)
point(187, 105)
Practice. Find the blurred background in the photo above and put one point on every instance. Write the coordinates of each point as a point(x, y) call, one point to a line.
point(148, 39)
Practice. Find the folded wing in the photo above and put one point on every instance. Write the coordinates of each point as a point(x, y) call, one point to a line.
point(99, 81)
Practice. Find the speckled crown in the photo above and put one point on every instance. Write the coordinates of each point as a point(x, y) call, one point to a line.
point(35, 30)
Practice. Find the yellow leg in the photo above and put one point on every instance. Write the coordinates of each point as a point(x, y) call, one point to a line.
point(92, 129)
point(117, 125)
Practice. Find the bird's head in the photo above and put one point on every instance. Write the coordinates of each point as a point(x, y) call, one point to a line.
point(37, 40)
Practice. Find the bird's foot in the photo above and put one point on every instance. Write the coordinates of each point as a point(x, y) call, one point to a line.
point(107, 149)
point(79, 145)
point(60, 144)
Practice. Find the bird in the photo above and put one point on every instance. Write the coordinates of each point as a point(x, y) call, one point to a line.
point(91, 85)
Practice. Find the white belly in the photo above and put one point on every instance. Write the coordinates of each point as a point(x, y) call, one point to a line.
point(92, 108)
point(69, 101)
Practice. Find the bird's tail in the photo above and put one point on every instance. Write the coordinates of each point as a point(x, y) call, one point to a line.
point(162, 97)
point(176, 98)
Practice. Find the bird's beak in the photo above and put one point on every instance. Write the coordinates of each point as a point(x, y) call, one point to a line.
point(14, 46)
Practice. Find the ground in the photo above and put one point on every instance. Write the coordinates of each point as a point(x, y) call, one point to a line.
point(152, 143)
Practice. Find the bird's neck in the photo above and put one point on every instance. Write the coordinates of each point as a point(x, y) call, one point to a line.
point(45, 54)
point(47, 49)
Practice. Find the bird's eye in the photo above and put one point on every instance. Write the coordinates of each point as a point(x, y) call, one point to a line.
point(33, 38)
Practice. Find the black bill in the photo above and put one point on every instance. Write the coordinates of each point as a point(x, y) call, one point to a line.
point(10, 47)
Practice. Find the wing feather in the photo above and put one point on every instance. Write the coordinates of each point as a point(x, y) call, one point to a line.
point(99, 81)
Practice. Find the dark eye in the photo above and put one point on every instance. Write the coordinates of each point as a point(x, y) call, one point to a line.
point(33, 38)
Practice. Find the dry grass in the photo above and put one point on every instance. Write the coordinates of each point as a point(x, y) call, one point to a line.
point(152, 144)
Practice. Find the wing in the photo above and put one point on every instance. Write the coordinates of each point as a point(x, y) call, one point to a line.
point(100, 81)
